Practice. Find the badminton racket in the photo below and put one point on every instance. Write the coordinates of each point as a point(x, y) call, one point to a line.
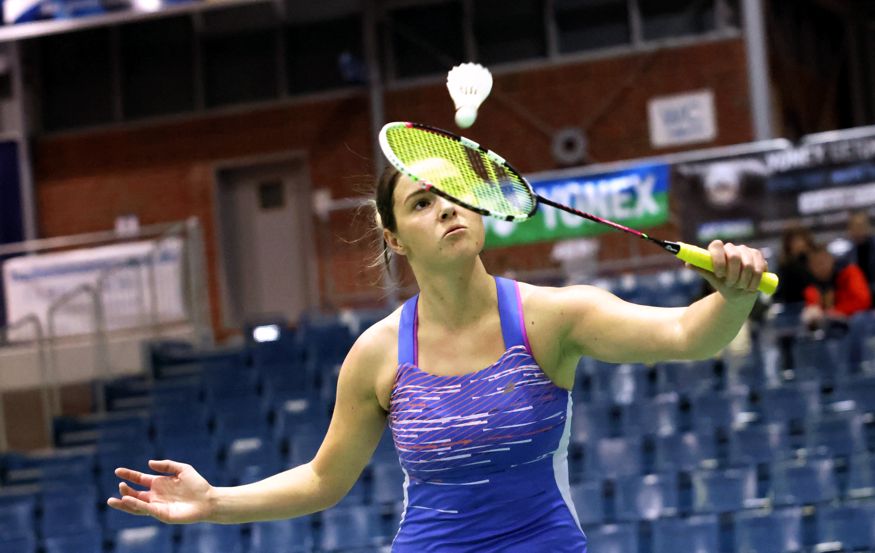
point(478, 179)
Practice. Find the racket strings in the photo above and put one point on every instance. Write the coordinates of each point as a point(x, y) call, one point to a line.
point(467, 174)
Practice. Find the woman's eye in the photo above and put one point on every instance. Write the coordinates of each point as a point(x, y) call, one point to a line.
point(421, 204)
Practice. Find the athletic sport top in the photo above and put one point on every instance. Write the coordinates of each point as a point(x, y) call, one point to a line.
point(484, 454)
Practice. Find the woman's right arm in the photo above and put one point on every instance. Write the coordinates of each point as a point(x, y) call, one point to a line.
point(358, 422)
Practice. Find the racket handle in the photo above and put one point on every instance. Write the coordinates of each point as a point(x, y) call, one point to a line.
point(700, 257)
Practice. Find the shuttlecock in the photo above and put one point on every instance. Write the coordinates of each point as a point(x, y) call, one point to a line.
point(469, 84)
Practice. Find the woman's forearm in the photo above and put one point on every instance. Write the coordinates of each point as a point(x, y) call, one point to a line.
point(711, 323)
point(292, 493)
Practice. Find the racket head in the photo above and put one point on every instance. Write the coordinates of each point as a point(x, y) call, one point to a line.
point(459, 170)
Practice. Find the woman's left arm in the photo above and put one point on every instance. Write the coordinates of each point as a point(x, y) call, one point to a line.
point(603, 326)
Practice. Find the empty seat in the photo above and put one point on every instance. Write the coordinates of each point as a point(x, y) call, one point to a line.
point(248, 460)
point(647, 497)
point(721, 409)
point(589, 502)
point(620, 384)
point(803, 481)
point(695, 534)
point(861, 391)
point(210, 538)
point(688, 378)
point(821, 360)
point(387, 483)
point(852, 525)
point(349, 527)
point(684, 452)
point(839, 433)
point(69, 510)
point(590, 422)
point(290, 536)
point(89, 542)
point(758, 443)
point(613, 538)
point(16, 514)
point(240, 417)
point(861, 476)
point(775, 532)
point(20, 543)
point(657, 417)
point(613, 457)
point(724, 490)
point(790, 403)
point(144, 539)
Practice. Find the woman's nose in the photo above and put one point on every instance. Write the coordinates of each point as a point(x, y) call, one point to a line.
point(448, 208)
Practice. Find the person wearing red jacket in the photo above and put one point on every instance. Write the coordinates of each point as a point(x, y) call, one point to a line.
point(838, 290)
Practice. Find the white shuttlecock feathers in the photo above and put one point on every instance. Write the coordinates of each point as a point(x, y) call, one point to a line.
point(469, 84)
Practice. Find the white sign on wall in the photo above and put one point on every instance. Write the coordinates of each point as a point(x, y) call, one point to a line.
point(682, 119)
point(33, 283)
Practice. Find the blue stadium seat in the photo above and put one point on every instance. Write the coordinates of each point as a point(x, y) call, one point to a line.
point(290, 536)
point(655, 417)
point(590, 422)
point(198, 450)
point(613, 538)
point(758, 443)
point(224, 383)
point(58, 465)
point(20, 543)
point(839, 433)
point(684, 452)
point(803, 481)
point(647, 497)
point(620, 384)
point(210, 538)
point(304, 444)
point(89, 542)
point(861, 476)
point(724, 490)
point(589, 502)
point(248, 460)
point(861, 326)
point(144, 539)
point(16, 514)
point(820, 360)
point(861, 390)
point(285, 379)
point(387, 483)
point(852, 525)
point(790, 403)
point(349, 527)
point(687, 378)
point(240, 417)
point(775, 532)
point(613, 457)
point(718, 409)
point(695, 534)
point(68, 510)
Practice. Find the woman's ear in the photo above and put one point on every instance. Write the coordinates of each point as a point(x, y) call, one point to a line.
point(393, 242)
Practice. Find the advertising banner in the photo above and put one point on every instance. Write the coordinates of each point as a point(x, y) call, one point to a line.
point(33, 283)
point(636, 197)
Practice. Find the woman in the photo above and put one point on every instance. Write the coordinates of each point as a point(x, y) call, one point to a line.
point(473, 376)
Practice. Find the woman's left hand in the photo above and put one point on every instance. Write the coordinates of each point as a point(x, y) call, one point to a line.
point(737, 270)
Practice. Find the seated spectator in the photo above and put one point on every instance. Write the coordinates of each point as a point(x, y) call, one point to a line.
point(863, 251)
point(796, 243)
point(838, 290)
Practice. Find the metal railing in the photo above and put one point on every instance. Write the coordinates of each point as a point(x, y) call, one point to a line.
point(135, 293)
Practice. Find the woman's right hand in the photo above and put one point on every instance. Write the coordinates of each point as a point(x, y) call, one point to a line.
point(180, 495)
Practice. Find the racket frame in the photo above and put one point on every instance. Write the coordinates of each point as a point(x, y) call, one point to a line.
point(468, 143)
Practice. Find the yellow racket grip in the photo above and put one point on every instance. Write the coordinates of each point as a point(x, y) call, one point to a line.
point(700, 257)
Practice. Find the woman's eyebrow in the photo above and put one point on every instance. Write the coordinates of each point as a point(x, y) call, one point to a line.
point(414, 194)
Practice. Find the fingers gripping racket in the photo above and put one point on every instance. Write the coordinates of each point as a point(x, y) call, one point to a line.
point(478, 179)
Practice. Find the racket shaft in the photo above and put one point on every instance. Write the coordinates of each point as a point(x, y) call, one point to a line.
point(701, 258)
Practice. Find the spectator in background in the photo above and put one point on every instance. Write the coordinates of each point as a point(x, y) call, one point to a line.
point(863, 251)
point(838, 290)
point(793, 271)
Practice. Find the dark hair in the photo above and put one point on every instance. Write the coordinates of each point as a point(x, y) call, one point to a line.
point(790, 235)
point(384, 194)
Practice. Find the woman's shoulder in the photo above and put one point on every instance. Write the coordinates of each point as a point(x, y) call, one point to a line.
point(378, 339)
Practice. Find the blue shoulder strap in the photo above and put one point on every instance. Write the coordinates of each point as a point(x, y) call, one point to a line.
point(407, 332)
point(509, 311)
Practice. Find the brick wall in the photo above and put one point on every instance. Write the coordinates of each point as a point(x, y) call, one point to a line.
point(164, 171)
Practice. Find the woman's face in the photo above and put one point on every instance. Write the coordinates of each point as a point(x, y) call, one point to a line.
point(429, 227)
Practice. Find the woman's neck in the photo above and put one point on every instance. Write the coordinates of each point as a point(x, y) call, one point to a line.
point(456, 298)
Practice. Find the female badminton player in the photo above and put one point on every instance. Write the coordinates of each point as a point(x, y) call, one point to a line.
point(473, 376)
